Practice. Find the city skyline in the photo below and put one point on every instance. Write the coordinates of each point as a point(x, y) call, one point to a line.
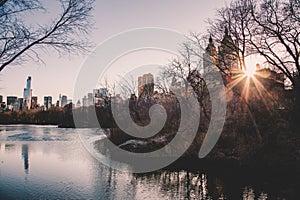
point(30, 101)
point(28, 95)
point(109, 20)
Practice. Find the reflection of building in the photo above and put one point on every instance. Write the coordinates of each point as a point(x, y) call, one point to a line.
point(146, 82)
point(27, 94)
point(47, 102)
point(25, 156)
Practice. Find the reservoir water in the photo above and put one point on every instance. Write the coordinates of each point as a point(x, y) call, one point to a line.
point(46, 162)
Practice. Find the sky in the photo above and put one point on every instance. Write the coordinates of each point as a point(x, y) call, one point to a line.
point(58, 74)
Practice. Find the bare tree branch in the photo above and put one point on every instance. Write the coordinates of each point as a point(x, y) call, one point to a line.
point(66, 34)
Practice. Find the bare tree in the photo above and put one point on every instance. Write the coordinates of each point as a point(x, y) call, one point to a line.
point(127, 86)
point(276, 35)
point(270, 28)
point(163, 81)
point(180, 68)
point(65, 34)
point(237, 19)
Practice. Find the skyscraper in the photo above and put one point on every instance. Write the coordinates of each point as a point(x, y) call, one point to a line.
point(34, 102)
point(47, 102)
point(90, 99)
point(2, 104)
point(27, 94)
point(84, 102)
point(103, 92)
point(64, 100)
point(10, 102)
point(59, 101)
point(145, 80)
point(20, 102)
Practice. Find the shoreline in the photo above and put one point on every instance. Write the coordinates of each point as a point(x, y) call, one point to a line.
point(267, 157)
point(259, 162)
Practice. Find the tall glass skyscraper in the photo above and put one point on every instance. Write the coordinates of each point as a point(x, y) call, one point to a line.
point(27, 94)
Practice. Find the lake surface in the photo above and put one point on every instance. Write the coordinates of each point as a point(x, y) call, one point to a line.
point(45, 162)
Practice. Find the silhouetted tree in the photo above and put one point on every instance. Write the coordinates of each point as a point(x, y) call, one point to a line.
point(20, 41)
point(237, 19)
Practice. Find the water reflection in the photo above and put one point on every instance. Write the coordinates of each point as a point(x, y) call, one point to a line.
point(9, 147)
point(25, 156)
point(178, 184)
point(62, 169)
point(248, 194)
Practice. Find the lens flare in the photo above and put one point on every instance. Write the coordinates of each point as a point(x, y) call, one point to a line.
point(250, 71)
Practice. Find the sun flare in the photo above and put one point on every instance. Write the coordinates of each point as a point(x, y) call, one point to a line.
point(250, 71)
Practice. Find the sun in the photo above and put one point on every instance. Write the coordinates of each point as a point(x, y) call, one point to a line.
point(250, 71)
point(252, 64)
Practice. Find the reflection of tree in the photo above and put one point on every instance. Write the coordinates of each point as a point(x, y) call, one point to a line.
point(178, 184)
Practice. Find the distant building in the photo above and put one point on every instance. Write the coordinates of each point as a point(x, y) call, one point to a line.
point(225, 58)
point(99, 96)
point(145, 80)
point(34, 102)
point(90, 99)
point(78, 104)
point(10, 102)
point(210, 56)
point(64, 100)
point(47, 102)
point(84, 102)
point(227, 53)
point(58, 103)
point(21, 102)
point(2, 106)
point(27, 94)
point(16, 106)
point(103, 92)
point(175, 85)
point(96, 93)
